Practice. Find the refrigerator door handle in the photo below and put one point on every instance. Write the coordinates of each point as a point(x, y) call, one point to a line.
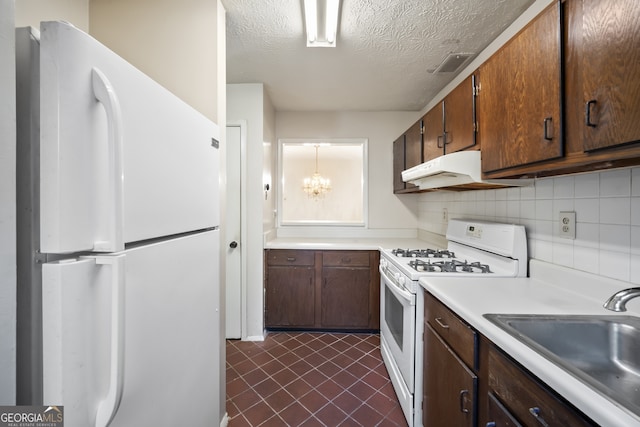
point(105, 94)
point(108, 406)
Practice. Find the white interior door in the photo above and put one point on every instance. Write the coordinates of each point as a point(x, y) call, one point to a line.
point(234, 312)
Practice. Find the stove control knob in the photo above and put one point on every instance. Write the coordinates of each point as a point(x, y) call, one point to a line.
point(401, 280)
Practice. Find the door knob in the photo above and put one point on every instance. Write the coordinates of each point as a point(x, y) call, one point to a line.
point(233, 244)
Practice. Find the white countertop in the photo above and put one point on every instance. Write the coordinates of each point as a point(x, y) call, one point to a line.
point(579, 293)
point(343, 243)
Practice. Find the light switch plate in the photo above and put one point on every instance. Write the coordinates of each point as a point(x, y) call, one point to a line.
point(567, 225)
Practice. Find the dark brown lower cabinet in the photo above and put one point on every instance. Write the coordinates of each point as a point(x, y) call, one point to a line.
point(322, 290)
point(345, 297)
point(469, 381)
point(524, 398)
point(450, 387)
point(290, 296)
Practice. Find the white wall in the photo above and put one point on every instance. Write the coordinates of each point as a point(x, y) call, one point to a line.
point(32, 12)
point(389, 214)
point(607, 206)
point(7, 205)
point(249, 103)
point(173, 42)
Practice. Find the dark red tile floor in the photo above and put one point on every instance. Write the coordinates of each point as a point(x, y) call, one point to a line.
point(310, 379)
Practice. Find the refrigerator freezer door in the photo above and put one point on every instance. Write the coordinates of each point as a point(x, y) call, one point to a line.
point(122, 159)
point(134, 338)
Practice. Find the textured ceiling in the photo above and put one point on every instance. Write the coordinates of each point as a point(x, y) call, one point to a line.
point(386, 50)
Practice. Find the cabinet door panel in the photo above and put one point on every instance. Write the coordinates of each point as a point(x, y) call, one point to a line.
point(290, 297)
point(345, 297)
point(459, 113)
point(398, 164)
point(611, 65)
point(413, 146)
point(519, 99)
point(449, 386)
point(433, 133)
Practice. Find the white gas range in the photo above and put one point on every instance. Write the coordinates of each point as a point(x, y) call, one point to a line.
point(475, 249)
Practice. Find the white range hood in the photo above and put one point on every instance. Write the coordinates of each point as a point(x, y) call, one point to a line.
point(461, 169)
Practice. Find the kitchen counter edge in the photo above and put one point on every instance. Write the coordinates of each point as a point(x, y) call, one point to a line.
point(344, 243)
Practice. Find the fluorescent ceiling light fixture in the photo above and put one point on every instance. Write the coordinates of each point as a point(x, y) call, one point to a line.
point(321, 20)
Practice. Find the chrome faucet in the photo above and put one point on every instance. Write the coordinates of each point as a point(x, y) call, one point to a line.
point(618, 301)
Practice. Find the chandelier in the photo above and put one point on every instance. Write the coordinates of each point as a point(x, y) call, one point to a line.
point(316, 186)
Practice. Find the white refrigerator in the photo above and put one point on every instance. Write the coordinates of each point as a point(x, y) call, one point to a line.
point(118, 301)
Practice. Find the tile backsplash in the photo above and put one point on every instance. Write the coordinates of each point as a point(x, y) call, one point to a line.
point(607, 207)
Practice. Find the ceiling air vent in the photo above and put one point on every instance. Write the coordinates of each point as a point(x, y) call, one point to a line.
point(453, 62)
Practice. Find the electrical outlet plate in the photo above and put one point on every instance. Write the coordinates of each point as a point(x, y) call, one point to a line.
point(567, 225)
point(445, 215)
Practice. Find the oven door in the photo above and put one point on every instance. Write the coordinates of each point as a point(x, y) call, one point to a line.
point(398, 323)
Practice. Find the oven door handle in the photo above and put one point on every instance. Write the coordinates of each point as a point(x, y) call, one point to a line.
point(397, 291)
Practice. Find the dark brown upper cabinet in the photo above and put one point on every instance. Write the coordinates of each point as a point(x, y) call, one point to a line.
point(413, 145)
point(407, 153)
point(460, 117)
point(450, 126)
point(519, 101)
point(610, 72)
point(398, 164)
point(433, 133)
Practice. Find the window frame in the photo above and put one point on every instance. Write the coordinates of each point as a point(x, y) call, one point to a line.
point(362, 142)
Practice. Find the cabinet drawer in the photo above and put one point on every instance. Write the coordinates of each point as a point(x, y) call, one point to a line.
point(290, 257)
point(499, 416)
point(527, 399)
point(458, 334)
point(345, 258)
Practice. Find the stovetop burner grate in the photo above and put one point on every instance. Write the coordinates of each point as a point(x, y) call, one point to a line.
point(423, 253)
point(453, 266)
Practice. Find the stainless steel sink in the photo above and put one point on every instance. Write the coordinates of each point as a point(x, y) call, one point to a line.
point(602, 351)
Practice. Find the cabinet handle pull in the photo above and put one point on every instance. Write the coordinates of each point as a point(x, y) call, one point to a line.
point(548, 135)
point(446, 138)
point(291, 258)
point(587, 114)
point(441, 323)
point(535, 411)
point(463, 393)
point(439, 143)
